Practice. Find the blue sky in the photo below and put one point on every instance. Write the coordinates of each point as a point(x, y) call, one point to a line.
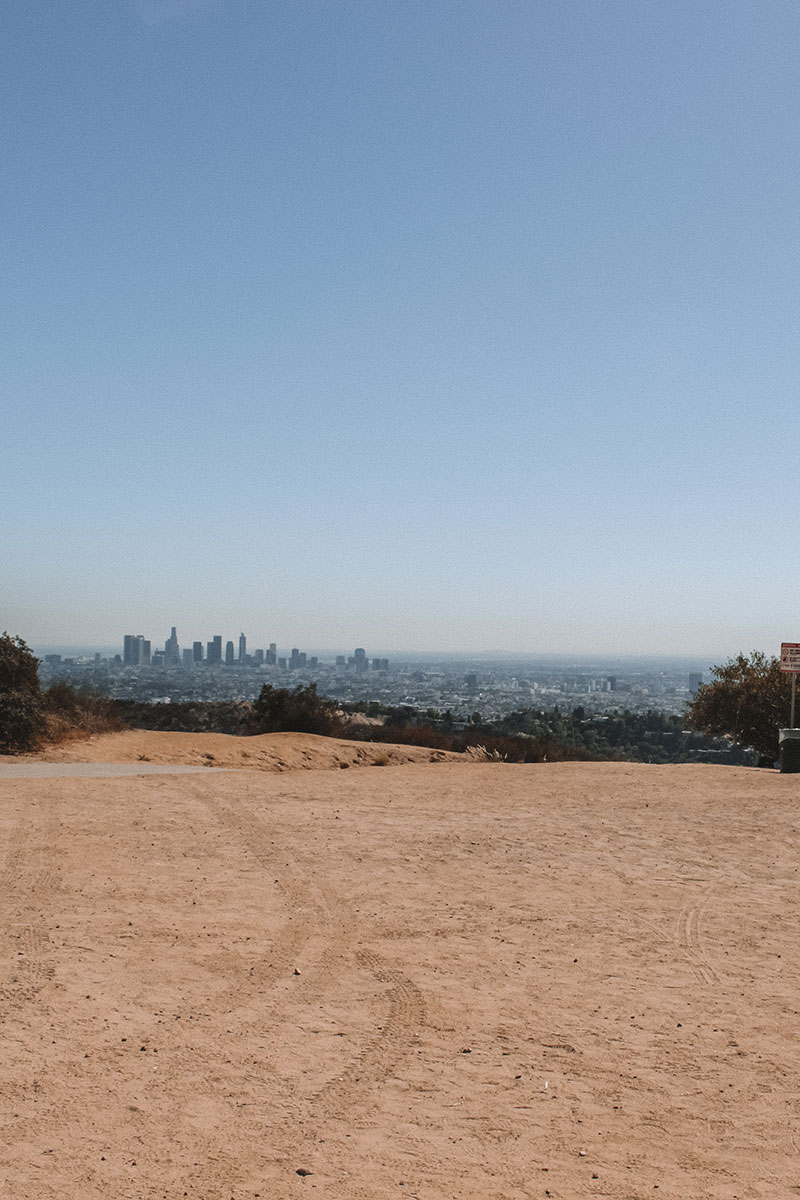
point(435, 326)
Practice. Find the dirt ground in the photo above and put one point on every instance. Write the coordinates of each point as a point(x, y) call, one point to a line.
point(267, 752)
point(430, 980)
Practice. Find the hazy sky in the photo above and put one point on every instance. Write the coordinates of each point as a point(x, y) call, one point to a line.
point(411, 324)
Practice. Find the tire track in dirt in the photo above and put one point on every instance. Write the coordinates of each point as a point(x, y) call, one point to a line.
point(347, 1096)
point(28, 880)
point(318, 915)
point(32, 965)
point(323, 932)
point(275, 1110)
point(309, 914)
point(242, 1104)
point(688, 937)
point(376, 1061)
point(10, 870)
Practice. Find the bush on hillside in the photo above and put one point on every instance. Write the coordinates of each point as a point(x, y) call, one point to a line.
point(302, 710)
point(21, 715)
point(494, 747)
point(189, 716)
point(71, 712)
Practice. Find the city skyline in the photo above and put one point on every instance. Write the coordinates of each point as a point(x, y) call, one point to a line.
point(451, 684)
point(230, 642)
point(282, 651)
point(703, 657)
point(443, 327)
point(139, 651)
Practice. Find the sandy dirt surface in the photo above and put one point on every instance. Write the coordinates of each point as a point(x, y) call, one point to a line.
point(267, 752)
point(485, 982)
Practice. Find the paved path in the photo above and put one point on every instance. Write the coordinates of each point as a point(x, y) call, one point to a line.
point(47, 770)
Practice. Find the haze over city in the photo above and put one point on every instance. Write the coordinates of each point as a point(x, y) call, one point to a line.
point(445, 327)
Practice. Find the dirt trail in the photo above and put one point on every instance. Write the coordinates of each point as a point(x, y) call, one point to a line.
point(27, 768)
point(450, 980)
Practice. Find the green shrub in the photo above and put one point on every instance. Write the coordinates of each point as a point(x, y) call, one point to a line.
point(21, 715)
point(72, 712)
point(189, 716)
point(281, 710)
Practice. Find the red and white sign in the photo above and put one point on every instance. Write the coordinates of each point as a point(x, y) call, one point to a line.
point(790, 656)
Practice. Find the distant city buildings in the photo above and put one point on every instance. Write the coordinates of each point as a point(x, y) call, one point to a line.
point(224, 669)
point(454, 684)
point(136, 653)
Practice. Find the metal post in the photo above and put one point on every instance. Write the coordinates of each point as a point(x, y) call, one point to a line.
point(794, 689)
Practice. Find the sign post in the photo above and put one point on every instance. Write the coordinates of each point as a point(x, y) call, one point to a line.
point(790, 661)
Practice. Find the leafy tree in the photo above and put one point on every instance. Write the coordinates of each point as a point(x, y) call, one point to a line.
point(748, 701)
point(279, 710)
point(21, 717)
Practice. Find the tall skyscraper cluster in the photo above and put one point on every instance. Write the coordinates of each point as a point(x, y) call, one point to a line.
point(135, 650)
point(137, 653)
